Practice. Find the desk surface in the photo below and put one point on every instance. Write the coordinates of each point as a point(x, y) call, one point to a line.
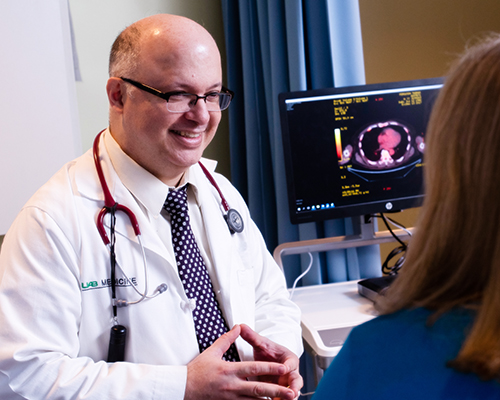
point(329, 312)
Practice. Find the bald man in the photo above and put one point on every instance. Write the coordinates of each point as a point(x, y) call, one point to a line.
point(152, 305)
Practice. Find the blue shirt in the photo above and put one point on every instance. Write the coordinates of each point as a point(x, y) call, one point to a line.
point(399, 356)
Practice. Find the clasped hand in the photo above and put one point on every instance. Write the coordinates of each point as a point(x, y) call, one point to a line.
point(273, 374)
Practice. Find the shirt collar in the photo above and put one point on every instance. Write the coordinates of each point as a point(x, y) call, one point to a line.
point(147, 189)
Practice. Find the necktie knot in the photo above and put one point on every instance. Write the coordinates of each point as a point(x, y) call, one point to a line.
point(176, 202)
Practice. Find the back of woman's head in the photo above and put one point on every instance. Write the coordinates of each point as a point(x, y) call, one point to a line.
point(464, 133)
point(454, 257)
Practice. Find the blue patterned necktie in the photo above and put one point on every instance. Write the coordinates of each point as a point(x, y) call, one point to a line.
point(208, 320)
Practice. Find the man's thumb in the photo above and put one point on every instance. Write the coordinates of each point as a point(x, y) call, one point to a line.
point(222, 344)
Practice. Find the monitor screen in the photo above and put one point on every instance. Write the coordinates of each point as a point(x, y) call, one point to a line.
point(355, 150)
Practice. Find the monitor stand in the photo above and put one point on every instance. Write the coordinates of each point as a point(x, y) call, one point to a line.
point(367, 236)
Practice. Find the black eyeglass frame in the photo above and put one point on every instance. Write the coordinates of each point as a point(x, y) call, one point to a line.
point(166, 95)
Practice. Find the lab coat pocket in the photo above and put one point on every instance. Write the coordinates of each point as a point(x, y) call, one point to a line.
point(243, 301)
point(246, 277)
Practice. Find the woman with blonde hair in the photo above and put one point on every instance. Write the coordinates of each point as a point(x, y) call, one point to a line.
point(438, 336)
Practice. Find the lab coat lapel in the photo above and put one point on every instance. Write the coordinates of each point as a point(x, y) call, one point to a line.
point(219, 240)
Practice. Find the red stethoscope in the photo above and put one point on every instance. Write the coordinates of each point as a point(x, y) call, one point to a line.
point(232, 217)
point(119, 332)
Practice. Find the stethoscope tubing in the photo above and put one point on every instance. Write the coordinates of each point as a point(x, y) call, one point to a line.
point(111, 206)
point(109, 201)
point(214, 184)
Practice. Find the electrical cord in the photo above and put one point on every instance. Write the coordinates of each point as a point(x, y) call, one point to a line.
point(302, 274)
point(386, 269)
point(397, 251)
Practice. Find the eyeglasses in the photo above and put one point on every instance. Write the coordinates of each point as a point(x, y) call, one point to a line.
point(181, 102)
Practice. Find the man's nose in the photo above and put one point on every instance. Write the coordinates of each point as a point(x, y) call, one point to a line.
point(199, 111)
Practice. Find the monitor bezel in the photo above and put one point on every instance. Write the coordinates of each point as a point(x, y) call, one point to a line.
point(372, 207)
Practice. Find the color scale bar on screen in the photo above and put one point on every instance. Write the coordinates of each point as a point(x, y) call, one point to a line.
point(338, 143)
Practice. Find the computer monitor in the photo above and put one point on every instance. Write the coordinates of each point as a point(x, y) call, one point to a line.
point(355, 150)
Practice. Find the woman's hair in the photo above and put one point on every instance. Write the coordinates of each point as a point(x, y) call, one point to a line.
point(454, 257)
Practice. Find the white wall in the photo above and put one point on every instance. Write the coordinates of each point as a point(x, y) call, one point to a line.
point(39, 129)
point(47, 120)
point(96, 24)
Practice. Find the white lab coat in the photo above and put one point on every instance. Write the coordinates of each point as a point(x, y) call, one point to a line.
point(55, 307)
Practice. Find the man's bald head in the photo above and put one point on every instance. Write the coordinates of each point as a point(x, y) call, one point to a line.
point(168, 33)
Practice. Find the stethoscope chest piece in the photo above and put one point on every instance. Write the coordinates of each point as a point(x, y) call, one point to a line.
point(234, 221)
point(232, 217)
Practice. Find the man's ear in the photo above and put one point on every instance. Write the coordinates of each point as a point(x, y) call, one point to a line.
point(115, 89)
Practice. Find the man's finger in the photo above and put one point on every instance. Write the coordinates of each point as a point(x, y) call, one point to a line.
point(222, 344)
point(260, 368)
point(268, 350)
point(268, 390)
point(295, 381)
point(250, 336)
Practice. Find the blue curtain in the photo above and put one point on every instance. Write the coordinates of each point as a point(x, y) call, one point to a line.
point(276, 46)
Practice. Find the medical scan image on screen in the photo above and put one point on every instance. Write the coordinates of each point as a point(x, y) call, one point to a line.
point(355, 152)
point(381, 146)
